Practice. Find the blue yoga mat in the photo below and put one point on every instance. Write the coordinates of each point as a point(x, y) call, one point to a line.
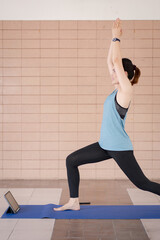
point(88, 212)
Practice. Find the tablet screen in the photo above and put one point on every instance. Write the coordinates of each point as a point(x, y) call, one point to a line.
point(12, 202)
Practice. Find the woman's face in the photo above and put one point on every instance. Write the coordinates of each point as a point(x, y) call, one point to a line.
point(115, 78)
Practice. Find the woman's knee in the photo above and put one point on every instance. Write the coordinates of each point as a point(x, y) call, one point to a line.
point(70, 160)
point(143, 184)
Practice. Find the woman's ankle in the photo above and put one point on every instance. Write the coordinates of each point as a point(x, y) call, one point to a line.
point(75, 200)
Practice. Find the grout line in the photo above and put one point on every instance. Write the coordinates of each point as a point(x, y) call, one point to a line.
point(152, 106)
point(59, 172)
point(77, 84)
point(21, 104)
point(40, 105)
point(2, 103)
point(13, 229)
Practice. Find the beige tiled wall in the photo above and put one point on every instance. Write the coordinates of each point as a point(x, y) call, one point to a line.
point(53, 83)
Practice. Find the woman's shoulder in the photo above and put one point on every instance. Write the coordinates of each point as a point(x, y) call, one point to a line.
point(124, 97)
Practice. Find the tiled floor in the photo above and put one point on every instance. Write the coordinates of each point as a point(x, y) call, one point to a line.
point(37, 229)
point(120, 192)
point(152, 226)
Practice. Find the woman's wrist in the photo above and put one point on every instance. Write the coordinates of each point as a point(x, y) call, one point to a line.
point(115, 37)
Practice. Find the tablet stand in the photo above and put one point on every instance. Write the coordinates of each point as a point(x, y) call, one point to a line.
point(84, 203)
point(9, 210)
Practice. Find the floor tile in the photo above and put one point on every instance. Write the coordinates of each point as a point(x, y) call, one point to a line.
point(98, 192)
point(37, 229)
point(139, 197)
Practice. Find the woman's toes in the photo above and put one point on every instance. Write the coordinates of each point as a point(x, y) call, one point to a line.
point(58, 209)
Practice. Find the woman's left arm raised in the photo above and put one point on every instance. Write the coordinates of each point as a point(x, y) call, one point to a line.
point(117, 58)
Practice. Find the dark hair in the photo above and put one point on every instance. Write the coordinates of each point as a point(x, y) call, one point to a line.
point(132, 70)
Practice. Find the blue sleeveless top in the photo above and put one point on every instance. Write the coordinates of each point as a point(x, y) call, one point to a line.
point(113, 135)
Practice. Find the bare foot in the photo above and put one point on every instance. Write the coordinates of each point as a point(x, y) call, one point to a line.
point(73, 204)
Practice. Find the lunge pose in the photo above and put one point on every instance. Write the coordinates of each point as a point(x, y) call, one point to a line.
point(114, 142)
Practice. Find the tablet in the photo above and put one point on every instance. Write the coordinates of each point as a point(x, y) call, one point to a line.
point(12, 202)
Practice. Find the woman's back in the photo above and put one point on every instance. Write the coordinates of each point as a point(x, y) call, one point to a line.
point(113, 135)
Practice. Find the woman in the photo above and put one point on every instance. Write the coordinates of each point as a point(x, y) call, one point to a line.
point(114, 142)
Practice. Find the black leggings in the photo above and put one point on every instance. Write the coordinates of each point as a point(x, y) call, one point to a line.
point(94, 153)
